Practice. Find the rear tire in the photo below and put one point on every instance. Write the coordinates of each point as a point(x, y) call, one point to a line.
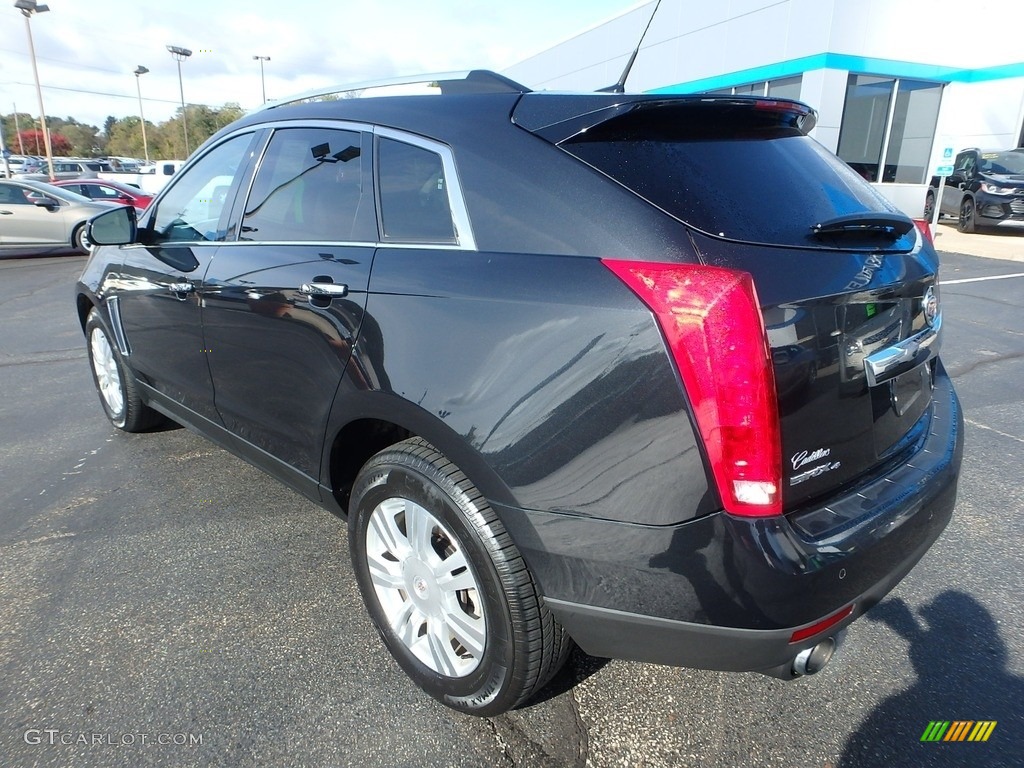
point(445, 585)
point(118, 390)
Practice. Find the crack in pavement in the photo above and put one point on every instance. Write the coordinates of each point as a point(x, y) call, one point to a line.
point(958, 372)
point(36, 358)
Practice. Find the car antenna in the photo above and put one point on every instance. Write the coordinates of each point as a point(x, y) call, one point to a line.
point(620, 86)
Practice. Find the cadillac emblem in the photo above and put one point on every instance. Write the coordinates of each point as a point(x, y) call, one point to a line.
point(930, 305)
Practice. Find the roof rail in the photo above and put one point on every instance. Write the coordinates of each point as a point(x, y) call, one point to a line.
point(467, 81)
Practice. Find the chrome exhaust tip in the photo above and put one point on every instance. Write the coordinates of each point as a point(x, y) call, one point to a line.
point(812, 660)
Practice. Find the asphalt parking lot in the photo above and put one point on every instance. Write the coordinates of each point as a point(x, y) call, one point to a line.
point(163, 603)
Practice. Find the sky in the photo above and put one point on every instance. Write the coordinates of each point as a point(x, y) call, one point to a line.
point(87, 50)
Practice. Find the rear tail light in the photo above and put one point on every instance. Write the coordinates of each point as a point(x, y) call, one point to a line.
point(712, 322)
point(925, 228)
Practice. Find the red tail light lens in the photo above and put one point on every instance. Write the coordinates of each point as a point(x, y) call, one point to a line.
point(712, 322)
point(925, 228)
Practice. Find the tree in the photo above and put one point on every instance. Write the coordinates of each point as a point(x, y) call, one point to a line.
point(85, 139)
point(126, 137)
point(35, 144)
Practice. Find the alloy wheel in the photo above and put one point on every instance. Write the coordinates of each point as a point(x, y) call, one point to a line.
point(108, 377)
point(426, 587)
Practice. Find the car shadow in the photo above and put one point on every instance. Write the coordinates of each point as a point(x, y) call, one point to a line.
point(961, 666)
point(578, 668)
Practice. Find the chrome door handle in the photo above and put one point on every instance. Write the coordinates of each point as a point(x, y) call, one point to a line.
point(324, 290)
point(179, 288)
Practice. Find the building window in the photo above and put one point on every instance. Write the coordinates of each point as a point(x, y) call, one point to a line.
point(782, 88)
point(785, 87)
point(888, 127)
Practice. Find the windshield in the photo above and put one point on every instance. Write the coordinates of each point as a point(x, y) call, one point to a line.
point(1002, 162)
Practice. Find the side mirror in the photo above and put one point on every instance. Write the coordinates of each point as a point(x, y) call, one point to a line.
point(117, 226)
point(958, 177)
point(45, 202)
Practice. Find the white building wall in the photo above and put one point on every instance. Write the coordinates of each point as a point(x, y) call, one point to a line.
point(986, 115)
point(732, 42)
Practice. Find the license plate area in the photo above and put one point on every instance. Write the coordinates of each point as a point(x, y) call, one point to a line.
point(897, 404)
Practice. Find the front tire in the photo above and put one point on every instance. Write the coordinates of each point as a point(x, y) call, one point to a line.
point(445, 585)
point(80, 241)
point(967, 222)
point(116, 385)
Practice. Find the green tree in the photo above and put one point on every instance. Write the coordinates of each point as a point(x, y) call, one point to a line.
point(126, 137)
point(86, 140)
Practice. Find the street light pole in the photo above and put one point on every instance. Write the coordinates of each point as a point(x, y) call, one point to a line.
point(180, 54)
point(139, 71)
point(27, 8)
point(17, 129)
point(263, 82)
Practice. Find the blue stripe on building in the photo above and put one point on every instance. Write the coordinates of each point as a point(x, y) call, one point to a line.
point(858, 64)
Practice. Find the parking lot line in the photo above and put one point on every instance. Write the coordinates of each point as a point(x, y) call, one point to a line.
point(979, 279)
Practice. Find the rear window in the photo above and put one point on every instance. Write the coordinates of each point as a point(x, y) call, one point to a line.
point(734, 170)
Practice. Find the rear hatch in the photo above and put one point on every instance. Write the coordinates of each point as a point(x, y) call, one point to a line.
point(846, 284)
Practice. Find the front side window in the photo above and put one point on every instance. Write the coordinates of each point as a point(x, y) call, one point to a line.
point(414, 203)
point(191, 210)
point(12, 195)
point(309, 187)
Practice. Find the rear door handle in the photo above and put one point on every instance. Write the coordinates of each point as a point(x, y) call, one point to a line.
point(6, 213)
point(324, 290)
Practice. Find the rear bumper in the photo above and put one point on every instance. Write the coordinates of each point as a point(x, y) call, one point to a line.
point(727, 593)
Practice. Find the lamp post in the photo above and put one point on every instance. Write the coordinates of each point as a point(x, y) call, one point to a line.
point(27, 8)
point(139, 72)
point(180, 54)
point(17, 130)
point(263, 83)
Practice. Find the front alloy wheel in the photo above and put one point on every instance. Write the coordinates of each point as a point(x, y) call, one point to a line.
point(119, 391)
point(108, 377)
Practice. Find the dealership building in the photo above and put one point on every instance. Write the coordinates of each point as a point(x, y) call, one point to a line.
point(896, 83)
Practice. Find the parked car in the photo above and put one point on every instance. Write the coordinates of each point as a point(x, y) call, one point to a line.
point(37, 218)
point(108, 191)
point(71, 168)
point(519, 340)
point(20, 164)
point(986, 189)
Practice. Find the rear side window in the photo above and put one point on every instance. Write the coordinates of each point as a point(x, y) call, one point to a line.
point(309, 187)
point(732, 170)
point(414, 203)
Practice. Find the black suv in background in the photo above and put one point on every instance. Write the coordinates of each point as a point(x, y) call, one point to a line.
point(986, 189)
point(655, 374)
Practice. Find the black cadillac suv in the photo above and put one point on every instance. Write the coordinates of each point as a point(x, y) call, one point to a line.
point(655, 374)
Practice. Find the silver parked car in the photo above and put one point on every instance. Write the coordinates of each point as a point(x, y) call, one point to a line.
point(37, 218)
